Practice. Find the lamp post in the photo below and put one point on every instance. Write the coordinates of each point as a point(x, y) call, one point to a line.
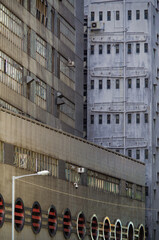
point(40, 173)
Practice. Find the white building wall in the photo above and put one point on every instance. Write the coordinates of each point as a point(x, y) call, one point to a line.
point(126, 136)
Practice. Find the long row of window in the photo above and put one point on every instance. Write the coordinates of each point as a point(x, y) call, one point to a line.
point(67, 225)
point(117, 83)
point(117, 48)
point(117, 15)
point(115, 118)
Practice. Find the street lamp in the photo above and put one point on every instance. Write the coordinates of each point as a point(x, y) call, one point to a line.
point(40, 173)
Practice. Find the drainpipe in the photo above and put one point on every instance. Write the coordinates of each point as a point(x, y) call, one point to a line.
point(124, 78)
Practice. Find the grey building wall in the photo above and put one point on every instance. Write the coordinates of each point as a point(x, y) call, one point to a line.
point(122, 101)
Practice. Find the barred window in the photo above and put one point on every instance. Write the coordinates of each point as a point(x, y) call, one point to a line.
point(71, 173)
point(103, 182)
point(40, 50)
point(11, 26)
point(67, 33)
point(10, 72)
point(40, 94)
point(34, 161)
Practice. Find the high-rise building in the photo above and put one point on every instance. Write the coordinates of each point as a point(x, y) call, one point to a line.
point(41, 61)
point(122, 86)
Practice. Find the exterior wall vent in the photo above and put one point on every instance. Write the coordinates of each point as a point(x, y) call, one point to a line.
point(19, 215)
point(67, 223)
point(94, 228)
point(36, 217)
point(106, 229)
point(81, 226)
point(2, 211)
point(52, 221)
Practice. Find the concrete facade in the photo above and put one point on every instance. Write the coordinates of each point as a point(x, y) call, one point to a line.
point(59, 190)
point(122, 86)
point(58, 26)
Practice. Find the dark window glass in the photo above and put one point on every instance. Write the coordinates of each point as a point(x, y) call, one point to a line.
point(92, 16)
point(129, 14)
point(129, 118)
point(108, 84)
point(146, 154)
point(100, 119)
point(129, 48)
point(108, 118)
point(117, 15)
point(117, 48)
point(100, 16)
point(100, 49)
point(137, 48)
point(137, 154)
point(108, 49)
point(137, 14)
point(146, 118)
point(92, 119)
point(145, 47)
point(146, 14)
point(146, 83)
point(129, 153)
point(117, 118)
point(129, 83)
point(100, 84)
point(92, 84)
point(117, 84)
point(108, 15)
point(137, 83)
point(137, 118)
point(92, 49)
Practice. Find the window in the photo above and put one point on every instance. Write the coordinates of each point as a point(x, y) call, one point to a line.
point(137, 14)
point(146, 118)
point(108, 84)
point(137, 154)
point(92, 16)
point(40, 50)
point(117, 48)
point(137, 118)
point(117, 118)
point(139, 197)
point(129, 14)
point(153, 19)
point(108, 15)
point(146, 83)
point(92, 84)
point(137, 48)
point(146, 14)
point(100, 49)
point(41, 11)
point(19, 214)
point(117, 84)
point(137, 83)
point(100, 16)
point(92, 119)
point(92, 49)
point(100, 119)
point(52, 221)
point(108, 49)
point(146, 154)
point(129, 189)
point(129, 153)
point(129, 48)
point(100, 84)
point(36, 217)
point(108, 118)
point(40, 99)
point(129, 118)
point(129, 83)
point(146, 47)
point(117, 15)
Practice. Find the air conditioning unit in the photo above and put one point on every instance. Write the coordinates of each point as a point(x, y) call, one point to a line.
point(96, 26)
point(23, 160)
point(80, 170)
